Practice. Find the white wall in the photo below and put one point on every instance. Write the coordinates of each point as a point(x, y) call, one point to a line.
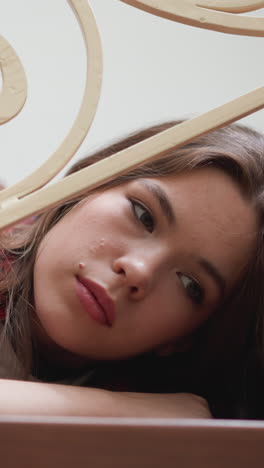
point(154, 70)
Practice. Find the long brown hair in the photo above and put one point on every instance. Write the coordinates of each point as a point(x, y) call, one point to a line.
point(226, 343)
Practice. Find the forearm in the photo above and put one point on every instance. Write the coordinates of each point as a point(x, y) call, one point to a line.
point(28, 398)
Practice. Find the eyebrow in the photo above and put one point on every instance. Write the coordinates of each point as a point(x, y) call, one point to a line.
point(167, 209)
point(215, 274)
point(162, 199)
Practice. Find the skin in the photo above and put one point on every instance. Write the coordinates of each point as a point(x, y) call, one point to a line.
point(150, 267)
point(65, 400)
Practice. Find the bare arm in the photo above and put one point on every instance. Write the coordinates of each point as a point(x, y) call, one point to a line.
point(28, 398)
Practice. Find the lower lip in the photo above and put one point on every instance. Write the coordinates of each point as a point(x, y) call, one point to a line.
point(90, 304)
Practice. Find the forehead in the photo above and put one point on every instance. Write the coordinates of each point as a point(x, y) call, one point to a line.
point(208, 189)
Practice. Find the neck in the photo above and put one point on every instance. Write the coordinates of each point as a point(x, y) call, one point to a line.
point(52, 361)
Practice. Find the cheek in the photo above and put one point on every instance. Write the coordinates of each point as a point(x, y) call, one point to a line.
point(101, 248)
point(167, 315)
point(106, 237)
point(171, 314)
point(51, 250)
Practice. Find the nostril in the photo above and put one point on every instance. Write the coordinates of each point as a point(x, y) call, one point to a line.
point(119, 270)
point(134, 289)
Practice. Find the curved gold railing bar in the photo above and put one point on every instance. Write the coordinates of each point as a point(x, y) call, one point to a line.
point(134, 156)
point(208, 14)
point(85, 116)
point(14, 89)
point(16, 206)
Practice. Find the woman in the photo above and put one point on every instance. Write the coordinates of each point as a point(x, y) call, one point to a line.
point(151, 283)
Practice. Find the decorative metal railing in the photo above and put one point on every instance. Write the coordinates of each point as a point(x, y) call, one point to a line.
point(30, 196)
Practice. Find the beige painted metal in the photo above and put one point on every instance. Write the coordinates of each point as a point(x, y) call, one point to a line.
point(217, 15)
point(132, 157)
point(18, 201)
point(14, 89)
point(84, 118)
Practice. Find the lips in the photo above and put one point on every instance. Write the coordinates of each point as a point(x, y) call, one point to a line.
point(96, 301)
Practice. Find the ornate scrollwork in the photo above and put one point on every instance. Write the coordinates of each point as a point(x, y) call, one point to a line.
point(84, 119)
point(217, 15)
point(14, 90)
point(25, 198)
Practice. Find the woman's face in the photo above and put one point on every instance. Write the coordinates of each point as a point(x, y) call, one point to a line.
point(143, 264)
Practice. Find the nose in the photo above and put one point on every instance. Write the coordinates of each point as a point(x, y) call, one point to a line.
point(136, 274)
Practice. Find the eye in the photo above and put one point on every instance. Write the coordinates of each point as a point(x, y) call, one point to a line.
point(144, 215)
point(192, 287)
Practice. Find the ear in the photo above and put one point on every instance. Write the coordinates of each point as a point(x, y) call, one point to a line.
point(181, 345)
